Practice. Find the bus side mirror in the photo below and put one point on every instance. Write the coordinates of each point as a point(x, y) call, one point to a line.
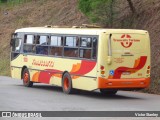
point(11, 42)
point(13, 35)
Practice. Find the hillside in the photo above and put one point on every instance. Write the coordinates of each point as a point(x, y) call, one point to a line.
point(35, 13)
point(65, 12)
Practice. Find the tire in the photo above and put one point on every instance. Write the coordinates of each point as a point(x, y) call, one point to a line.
point(67, 83)
point(26, 78)
point(108, 92)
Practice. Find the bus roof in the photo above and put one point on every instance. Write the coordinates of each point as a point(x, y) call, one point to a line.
point(84, 31)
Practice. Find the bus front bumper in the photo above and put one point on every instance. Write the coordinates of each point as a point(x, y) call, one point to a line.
point(123, 83)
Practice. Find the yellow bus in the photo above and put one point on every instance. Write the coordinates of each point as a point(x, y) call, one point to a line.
point(82, 58)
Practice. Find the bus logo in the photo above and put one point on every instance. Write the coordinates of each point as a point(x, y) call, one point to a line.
point(126, 40)
point(126, 43)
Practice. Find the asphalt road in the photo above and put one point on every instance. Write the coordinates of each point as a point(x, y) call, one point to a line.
point(41, 97)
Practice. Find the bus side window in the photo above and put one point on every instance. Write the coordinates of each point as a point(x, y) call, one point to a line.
point(85, 47)
point(42, 45)
point(71, 41)
point(95, 42)
point(71, 46)
point(29, 44)
point(56, 45)
point(43, 40)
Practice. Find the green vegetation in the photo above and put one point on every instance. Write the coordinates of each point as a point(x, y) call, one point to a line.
point(13, 2)
point(4, 64)
point(98, 11)
point(4, 67)
point(3, 1)
point(105, 12)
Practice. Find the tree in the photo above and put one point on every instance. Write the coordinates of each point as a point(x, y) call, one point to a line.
point(100, 11)
point(131, 6)
point(3, 1)
point(85, 6)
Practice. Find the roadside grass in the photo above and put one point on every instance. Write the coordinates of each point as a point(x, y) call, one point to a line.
point(4, 66)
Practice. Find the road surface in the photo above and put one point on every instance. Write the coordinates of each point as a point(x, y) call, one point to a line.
point(41, 97)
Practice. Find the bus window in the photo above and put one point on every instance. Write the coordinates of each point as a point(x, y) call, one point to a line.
point(29, 39)
point(29, 44)
point(41, 45)
point(86, 42)
point(43, 40)
point(56, 51)
point(94, 54)
point(29, 49)
point(56, 45)
point(71, 52)
point(71, 42)
point(71, 47)
point(85, 53)
point(56, 41)
point(16, 45)
point(85, 47)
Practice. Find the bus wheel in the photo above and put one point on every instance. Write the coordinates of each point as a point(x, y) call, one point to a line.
point(67, 83)
point(108, 92)
point(26, 78)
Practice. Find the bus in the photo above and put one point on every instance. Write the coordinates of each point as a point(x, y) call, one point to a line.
point(82, 58)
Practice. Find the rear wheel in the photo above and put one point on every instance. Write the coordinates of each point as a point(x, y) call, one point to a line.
point(26, 78)
point(108, 92)
point(67, 83)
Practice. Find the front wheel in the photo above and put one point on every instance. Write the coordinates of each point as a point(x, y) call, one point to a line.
point(108, 92)
point(67, 83)
point(26, 78)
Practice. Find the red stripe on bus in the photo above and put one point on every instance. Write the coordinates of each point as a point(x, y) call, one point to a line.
point(118, 72)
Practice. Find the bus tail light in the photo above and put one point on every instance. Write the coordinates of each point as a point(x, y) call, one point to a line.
point(102, 70)
point(102, 67)
point(148, 70)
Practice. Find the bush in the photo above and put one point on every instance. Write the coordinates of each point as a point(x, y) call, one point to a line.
point(100, 11)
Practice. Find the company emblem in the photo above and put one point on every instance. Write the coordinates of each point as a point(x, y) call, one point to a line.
point(126, 40)
point(127, 43)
